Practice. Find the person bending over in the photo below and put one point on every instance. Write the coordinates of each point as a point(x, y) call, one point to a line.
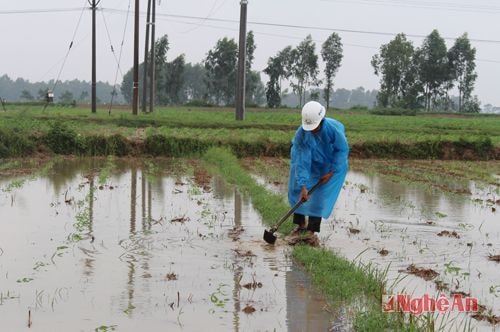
point(319, 153)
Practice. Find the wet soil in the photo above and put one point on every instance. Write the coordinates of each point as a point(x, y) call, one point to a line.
point(144, 251)
point(426, 274)
point(404, 218)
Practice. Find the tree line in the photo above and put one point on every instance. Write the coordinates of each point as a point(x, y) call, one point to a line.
point(299, 67)
point(411, 77)
point(423, 77)
point(67, 92)
point(211, 82)
point(214, 80)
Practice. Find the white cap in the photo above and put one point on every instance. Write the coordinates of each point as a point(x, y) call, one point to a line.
point(312, 114)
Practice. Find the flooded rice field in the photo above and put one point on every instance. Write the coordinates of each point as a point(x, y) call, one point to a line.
point(89, 247)
point(452, 240)
point(95, 245)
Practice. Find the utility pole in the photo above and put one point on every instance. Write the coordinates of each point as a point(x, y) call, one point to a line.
point(152, 68)
point(146, 50)
point(240, 93)
point(93, 5)
point(135, 99)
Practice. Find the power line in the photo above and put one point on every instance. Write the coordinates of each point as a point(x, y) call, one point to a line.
point(294, 26)
point(289, 36)
point(267, 34)
point(40, 11)
point(111, 43)
point(212, 11)
point(119, 58)
point(69, 48)
point(425, 5)
point(379, 33)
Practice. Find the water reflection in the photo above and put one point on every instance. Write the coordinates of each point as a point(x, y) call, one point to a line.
point(133, 200)
point(405, 219)
point(304, 308)
point(238, 271)
point(124, 269)
point(125, 264)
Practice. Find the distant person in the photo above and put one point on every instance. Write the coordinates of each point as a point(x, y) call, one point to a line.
point(319, 153)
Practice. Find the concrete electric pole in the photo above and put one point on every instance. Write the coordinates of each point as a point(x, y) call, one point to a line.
point(135, 98)
point(240, 92)
point(145, 72)
point(93, 5)
point(152, 84)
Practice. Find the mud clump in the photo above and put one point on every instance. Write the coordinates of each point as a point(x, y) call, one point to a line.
point(309, 239)
point(494, 258)
point(441, 285)
point(354, 230)
point(490, 318)
point(202, 179)
point(252, 285)
point(449, 234)
point(235, 232)
point(426, 274)
point(182, 219)
point(383, 252)
point(492, 201)
point(241, 253)
point(171, 276)
point(249, 309)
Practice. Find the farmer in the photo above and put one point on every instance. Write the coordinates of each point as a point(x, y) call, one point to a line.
point(319, 153)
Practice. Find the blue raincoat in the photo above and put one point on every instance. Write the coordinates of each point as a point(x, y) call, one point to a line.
point(312, 156)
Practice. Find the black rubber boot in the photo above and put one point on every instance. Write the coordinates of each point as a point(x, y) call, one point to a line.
point(313, 224)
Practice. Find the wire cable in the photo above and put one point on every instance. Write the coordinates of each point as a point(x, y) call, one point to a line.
point(39, 11)
point(424, 5)
point(212, 11)
point(119, 59)
point(294, 26)
point(111, 43)
point(67, 53)
point(292, 37)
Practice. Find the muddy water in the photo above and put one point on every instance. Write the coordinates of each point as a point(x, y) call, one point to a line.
point(406, 220)
point(137, 252)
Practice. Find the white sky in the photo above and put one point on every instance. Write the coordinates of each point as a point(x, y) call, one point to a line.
point(33, 45)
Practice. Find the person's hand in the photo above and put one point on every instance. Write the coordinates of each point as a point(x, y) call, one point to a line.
point(325, 178)
point(304, 194)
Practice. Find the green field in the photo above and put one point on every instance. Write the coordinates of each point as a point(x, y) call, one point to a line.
point(264, 132)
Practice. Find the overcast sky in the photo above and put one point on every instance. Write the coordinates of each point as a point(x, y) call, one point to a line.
point(33, 45)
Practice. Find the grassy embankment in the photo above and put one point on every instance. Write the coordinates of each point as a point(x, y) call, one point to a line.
point(24, 130)
point(341, 281)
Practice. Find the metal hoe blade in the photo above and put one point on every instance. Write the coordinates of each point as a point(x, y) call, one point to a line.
point(269, 236)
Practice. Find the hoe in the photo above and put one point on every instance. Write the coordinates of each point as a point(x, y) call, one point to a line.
point(269, 236)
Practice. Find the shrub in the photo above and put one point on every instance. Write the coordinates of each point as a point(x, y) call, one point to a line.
point(15, 144)
point(99, 145)
point(63, 140)
point(160, 145)
point(118, 145)
point(96, 145)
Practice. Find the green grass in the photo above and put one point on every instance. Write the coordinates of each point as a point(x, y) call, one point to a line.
point(264, 132)
point(271, 206)
point(338, 279)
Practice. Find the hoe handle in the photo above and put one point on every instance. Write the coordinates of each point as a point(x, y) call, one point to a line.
point(292, 210)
